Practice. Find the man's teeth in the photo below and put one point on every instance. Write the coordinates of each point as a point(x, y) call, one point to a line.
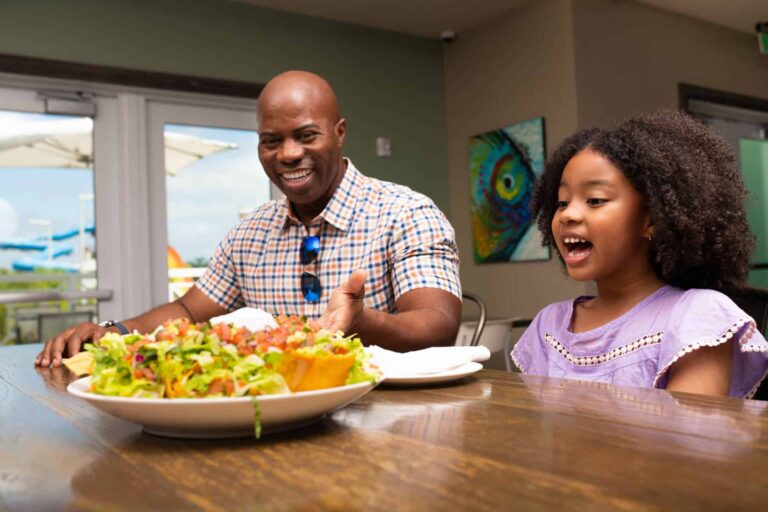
point(574, 240)
point(296, 175)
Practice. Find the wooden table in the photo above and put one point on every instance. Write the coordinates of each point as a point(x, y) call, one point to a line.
point(496, 441)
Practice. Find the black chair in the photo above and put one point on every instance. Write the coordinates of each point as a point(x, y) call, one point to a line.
point(754, 302)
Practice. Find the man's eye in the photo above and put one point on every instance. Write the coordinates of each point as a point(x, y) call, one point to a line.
point(562, 205)
point(270, 143)
point(307, 136)
point(595, 201)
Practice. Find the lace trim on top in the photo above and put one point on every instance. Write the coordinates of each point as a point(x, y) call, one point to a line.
point(516, 362)
point(645, 341)
point(727, 335)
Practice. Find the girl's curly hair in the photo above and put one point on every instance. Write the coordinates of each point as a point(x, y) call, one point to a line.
point(693, 191)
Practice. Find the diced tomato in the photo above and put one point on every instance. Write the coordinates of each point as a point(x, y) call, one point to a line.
point(216, 387)
point(183, 324)
point(164, 336)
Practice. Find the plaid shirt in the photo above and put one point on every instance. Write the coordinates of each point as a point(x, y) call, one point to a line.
point(397, 235)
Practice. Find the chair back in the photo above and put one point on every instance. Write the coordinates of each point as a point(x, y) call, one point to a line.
point(754, 302)
point(51, 324)
point(478, 326)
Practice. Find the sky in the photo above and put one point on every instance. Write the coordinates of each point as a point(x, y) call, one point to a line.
point(203, 199)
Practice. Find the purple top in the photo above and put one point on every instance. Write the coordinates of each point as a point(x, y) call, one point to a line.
point(639, 347)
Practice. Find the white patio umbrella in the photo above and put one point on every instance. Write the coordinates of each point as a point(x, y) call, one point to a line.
point(69, 143)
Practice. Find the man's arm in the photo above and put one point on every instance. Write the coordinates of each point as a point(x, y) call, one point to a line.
point(425, 317)
point(194, 305)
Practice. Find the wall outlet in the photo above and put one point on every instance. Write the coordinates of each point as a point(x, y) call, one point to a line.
point(383, 146)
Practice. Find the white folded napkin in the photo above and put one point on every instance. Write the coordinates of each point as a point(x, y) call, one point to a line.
point(251, 318)
point(424, 362)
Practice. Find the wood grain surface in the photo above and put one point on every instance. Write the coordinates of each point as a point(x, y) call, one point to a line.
point(494, 441)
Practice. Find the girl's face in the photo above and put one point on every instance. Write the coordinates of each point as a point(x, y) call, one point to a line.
point(601, 226)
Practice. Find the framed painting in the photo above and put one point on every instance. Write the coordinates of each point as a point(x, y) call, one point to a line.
point(504, 165)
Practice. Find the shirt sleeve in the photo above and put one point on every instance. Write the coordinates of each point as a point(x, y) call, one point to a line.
point(424, 252)
point(528, 354)
point(219, 282)
point(706, 318)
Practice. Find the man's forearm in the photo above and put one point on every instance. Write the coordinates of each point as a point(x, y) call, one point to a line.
point(411, 330)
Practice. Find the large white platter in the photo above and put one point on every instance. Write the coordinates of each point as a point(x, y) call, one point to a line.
point(222, 417)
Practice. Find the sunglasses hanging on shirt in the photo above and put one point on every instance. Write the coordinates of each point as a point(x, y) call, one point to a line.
point(310, 284)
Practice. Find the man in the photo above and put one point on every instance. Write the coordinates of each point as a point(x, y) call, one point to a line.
point(334, 230)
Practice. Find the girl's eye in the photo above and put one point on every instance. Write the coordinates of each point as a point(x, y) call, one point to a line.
point(594, 201)
point(562, 205)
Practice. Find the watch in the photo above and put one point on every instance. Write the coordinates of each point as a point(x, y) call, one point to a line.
point(120, 327)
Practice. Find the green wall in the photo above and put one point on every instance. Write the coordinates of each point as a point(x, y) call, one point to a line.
point(388, 84)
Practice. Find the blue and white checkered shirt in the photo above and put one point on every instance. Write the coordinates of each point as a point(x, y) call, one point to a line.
point(397, 235)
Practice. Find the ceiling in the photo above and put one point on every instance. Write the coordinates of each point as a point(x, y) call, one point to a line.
point(428, 18)
point(741, 15)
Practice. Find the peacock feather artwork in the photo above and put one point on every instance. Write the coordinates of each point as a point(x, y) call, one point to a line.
point(504, 165)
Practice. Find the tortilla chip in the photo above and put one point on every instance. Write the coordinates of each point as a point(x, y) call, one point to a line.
point(80, 364)
point(307, 372)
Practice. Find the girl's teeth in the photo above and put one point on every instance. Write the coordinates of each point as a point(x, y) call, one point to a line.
point(574, 240)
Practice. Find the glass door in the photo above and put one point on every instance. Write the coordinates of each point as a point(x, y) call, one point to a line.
point(114, 198)
point(753, 154)
point(205, 175)
point(48, 247)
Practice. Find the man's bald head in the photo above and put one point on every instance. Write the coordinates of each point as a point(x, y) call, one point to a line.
point(299, 89)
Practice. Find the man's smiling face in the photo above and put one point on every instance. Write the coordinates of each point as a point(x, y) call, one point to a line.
point(300, 141)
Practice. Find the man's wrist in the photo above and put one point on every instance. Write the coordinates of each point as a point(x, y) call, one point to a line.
point(122, 329)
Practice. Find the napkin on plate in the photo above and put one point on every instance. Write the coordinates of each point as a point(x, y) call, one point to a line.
point(252, 319)
point(425, 362)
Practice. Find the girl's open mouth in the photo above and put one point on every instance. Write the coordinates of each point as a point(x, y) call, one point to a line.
point(576, 250)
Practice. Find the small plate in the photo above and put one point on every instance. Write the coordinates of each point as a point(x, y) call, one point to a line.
point(434, 378)
point(222, 417)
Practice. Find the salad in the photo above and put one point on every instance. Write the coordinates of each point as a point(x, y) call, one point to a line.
point(184, 360)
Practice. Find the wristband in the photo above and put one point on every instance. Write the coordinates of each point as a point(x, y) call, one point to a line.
point(120, 327)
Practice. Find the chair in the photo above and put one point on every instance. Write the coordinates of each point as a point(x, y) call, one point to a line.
point(754, 302)
point(51, 324)
point(479, 326)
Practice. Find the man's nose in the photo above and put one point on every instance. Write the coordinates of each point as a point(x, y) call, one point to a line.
point(291, 151)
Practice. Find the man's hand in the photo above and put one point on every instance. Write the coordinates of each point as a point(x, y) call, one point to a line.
point(345, 304)
point(72, 340)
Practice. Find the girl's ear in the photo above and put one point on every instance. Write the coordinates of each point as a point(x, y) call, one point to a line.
point(649, 231)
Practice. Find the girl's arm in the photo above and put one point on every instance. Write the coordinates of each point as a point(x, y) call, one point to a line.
point(706, 371)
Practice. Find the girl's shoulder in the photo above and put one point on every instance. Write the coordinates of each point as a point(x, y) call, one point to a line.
point(700, 306)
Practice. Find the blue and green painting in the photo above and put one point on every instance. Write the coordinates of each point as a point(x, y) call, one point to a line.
point(504, 165)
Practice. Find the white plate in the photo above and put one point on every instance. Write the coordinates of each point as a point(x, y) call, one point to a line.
point(222, 417)
point(434, 378)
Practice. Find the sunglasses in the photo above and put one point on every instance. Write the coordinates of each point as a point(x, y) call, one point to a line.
point(310, 284)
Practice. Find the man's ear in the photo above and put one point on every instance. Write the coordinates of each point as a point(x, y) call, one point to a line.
point(341, 130)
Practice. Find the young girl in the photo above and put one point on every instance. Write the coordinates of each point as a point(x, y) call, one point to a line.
point(652, 211)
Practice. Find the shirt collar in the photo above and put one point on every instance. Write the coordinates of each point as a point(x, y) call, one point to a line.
point(340, 209)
